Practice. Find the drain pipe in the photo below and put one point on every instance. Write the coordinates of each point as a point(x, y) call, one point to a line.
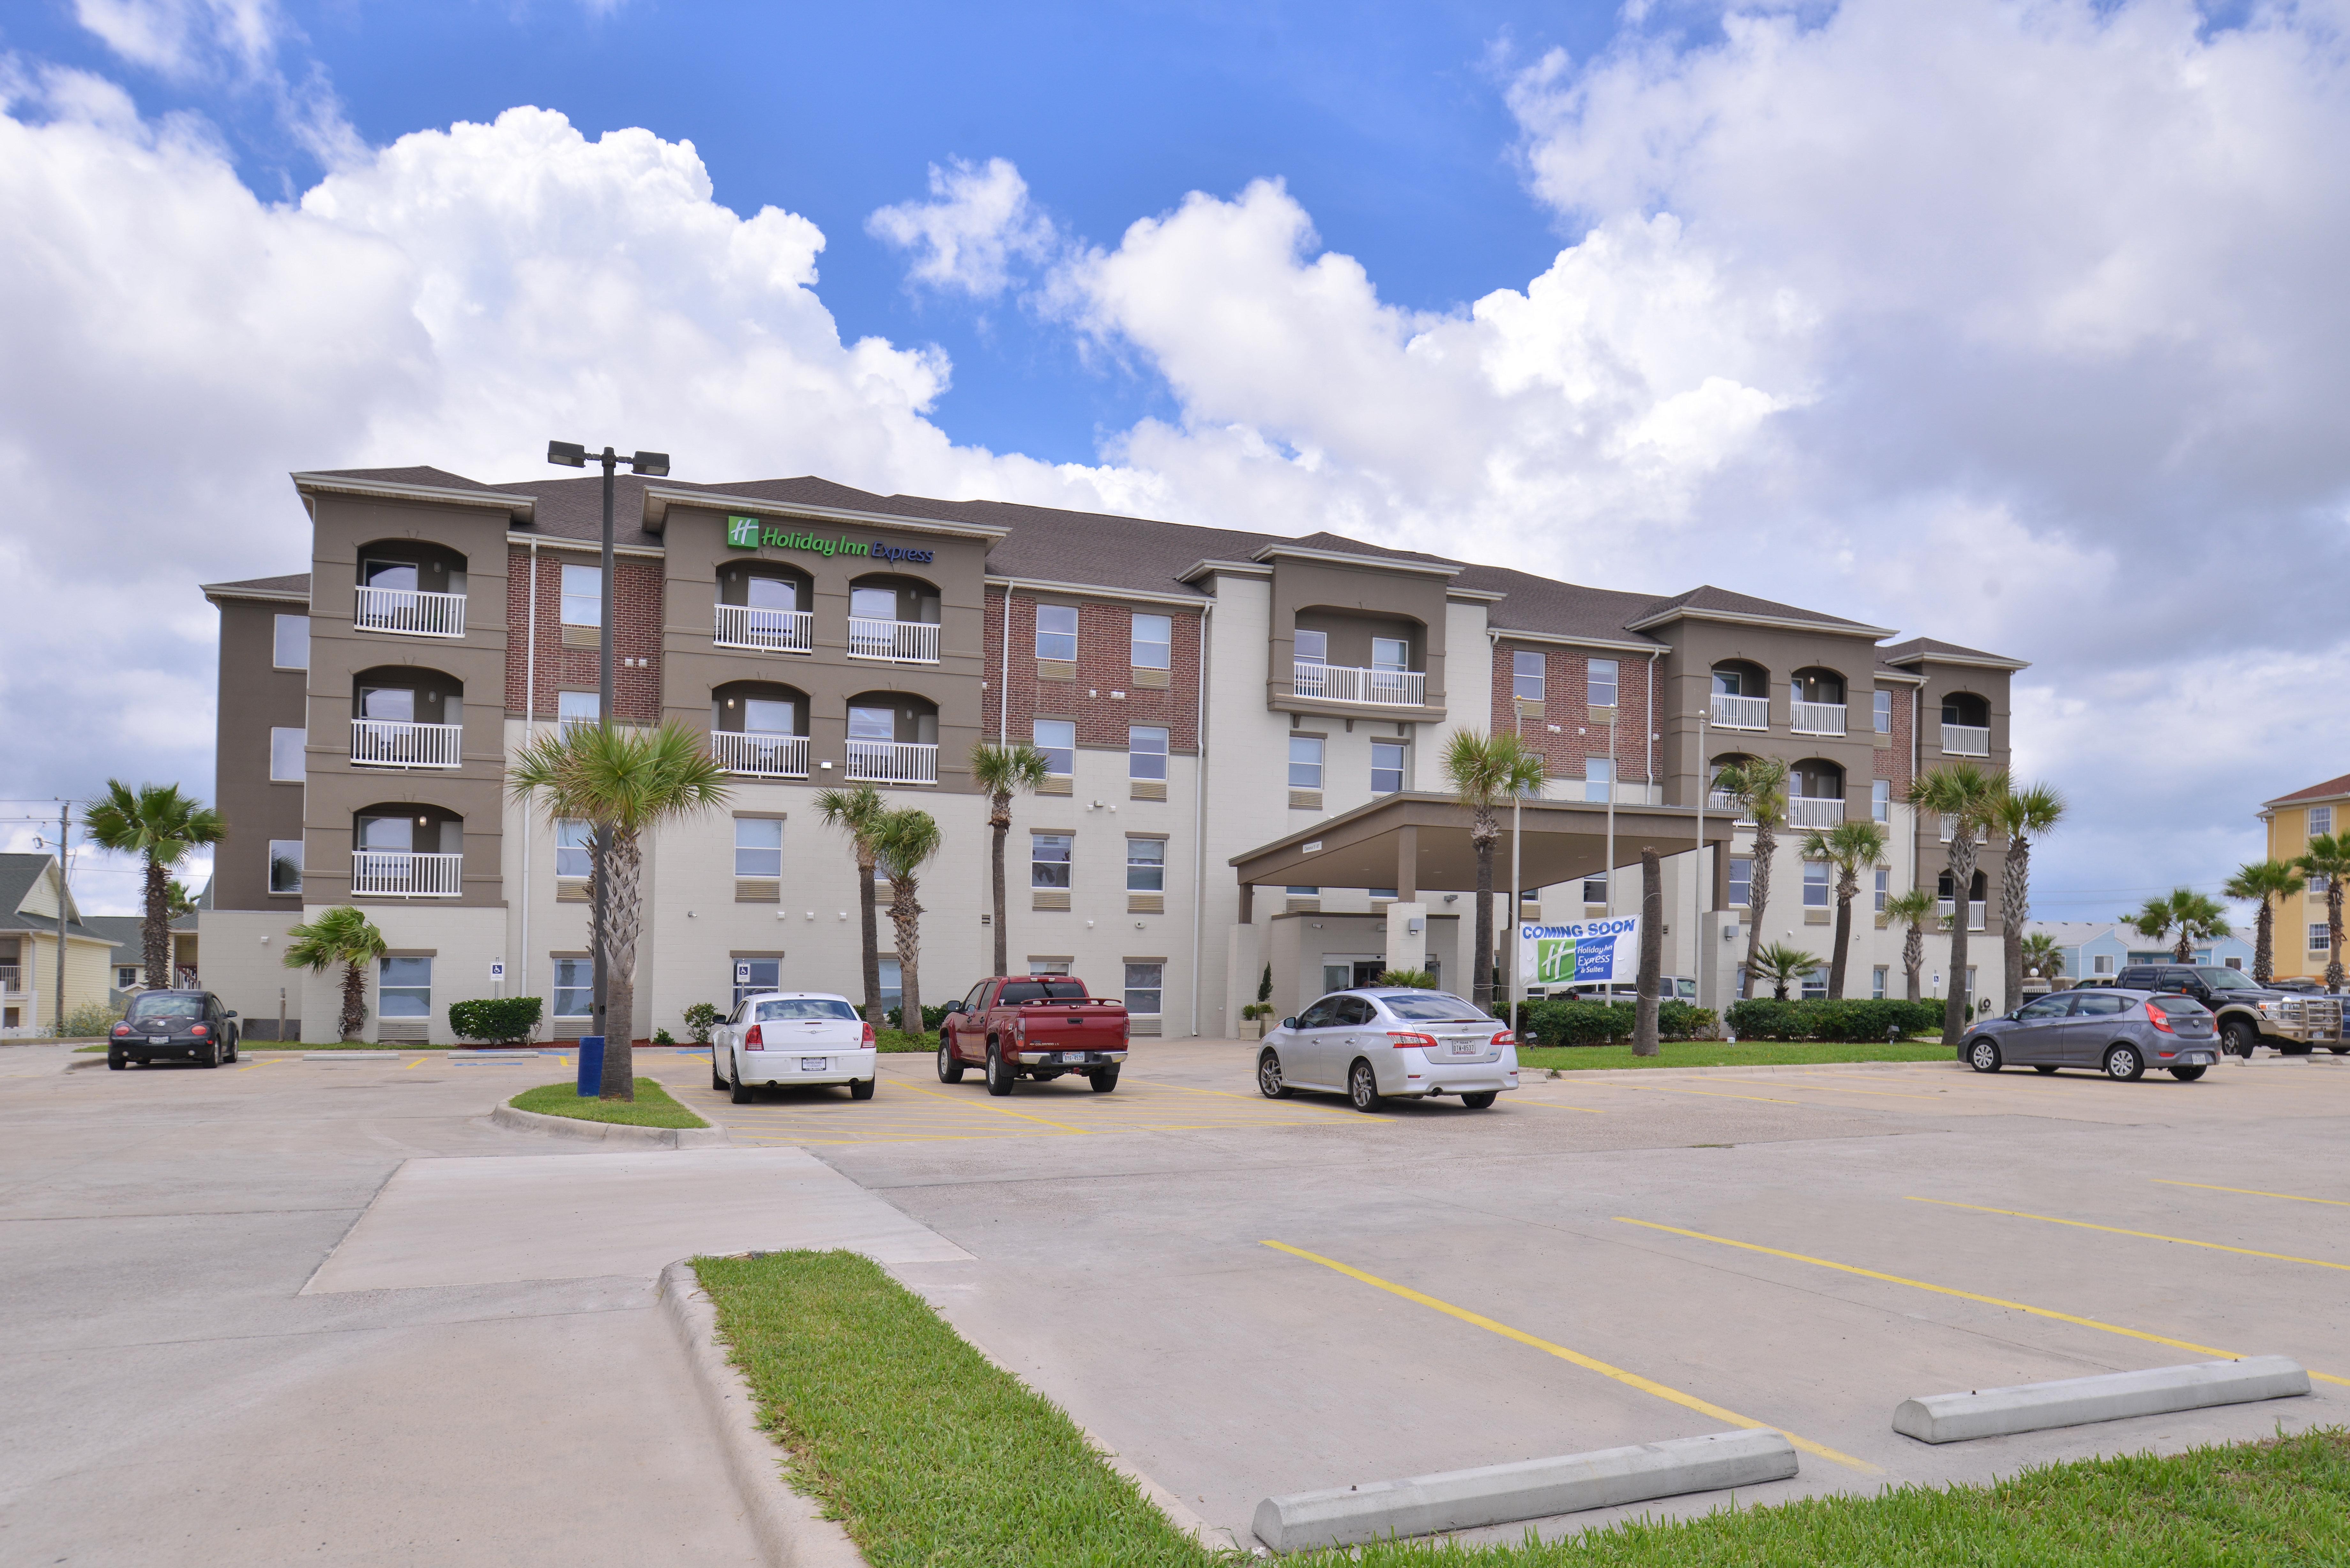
point(529, 733)
point(1199, 818)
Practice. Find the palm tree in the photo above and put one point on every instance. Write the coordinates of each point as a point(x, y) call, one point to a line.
point(1486, 770)
point(627, 781)
point(160, 823)
point(2188, 915)
point(857, 812)
point(1913, 910)
point(2039, 955)
point(1759, 784)
point(2264, 883)
point(2022, 816)
point(904, 842)
point(1783, 966)
point(2328, 856)
point(1003, 771)
point(342, 936)
point(1851, 848)
point(1967, 798)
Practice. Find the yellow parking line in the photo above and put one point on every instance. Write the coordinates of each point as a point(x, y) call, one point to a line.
point(2253, 1192)
point(1560, 1106)
point(421, 1060)
point(961, 1104)
point(1589, 1363)
point(1962, 1295)
point(1300, 1105)
point(2142, 1235)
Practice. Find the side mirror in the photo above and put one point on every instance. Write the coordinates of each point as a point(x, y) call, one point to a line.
point(1289, 1023)
point(228, 1012)
point(955, 1007)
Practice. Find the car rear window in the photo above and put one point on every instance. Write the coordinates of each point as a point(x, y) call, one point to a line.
point(805, 1007)
point(157, 1009)
point(1433, 1007)
point(2178, 1006)
point(1019, 991)
point(2224, 978)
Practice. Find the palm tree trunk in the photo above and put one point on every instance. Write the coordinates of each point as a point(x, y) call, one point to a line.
point(354, 1017)
point(2334, 933)
point(2014, 906)
point(155, 931)
point(1847, 884)
point(1000, 819)
point(624, 865)
point(2264, 943)
point(1652, 951)
point(905, 915)
point(1758, 899)
point(1913, 956)
point(1482, 836)
point(1962, 886)
point(874, 1012)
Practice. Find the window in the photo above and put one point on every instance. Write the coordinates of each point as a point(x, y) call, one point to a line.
point(1380, 892)
point(758, 846)
point(290, 644)
point(284, 864)
point(1038, 966)
point(2103, 964)
point(1595, 890)
point(2318, 940)
point(405, 988)
point(1143, 988)
point(1816, 985)
point(574, 847)
point(873, 604)
point(770, 716)
point(893, 986)
point(286, 755)
point(577, 707)
point(1598, 773)
point(1058, 739)
point(1313, 647)
point(1815, 884)
point(583, 596)
point(1876, 979)
point(126, 977)
point(872, 724)
point(754, 975)
point(1040, 987)
point(2317, 886)
point(1970, 979)
point(1296, 891)
point(1880, 800)
point(1146, 753)
point(1153, 638)
point(1390, 653)
point(1048, 859)
point(2321, 820)
point(1884, 886)
point(1527, 678)
point(1057, 632)
point(1146, 865)
point(1304, 761)
point(1880, 704)
point(1386, 766)
point(1741, 881)
point(1600, 684)
point(575, 988)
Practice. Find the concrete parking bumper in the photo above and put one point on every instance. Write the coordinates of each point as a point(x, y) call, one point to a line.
point(2114, 1396)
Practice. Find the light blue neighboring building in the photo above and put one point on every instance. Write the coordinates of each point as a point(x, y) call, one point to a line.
point(2097, 949)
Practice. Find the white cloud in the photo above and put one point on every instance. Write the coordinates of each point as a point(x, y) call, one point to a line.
point(979, 222)
point(181, 37)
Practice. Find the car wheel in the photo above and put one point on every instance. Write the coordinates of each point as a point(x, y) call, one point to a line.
point(2240, 1038)
point(950, 1070)
point(1104, 1081)
point(717, 1078)
point(2295, 1048)
point(862, 1088)
point(739, 1092)
point(2124, 1064)
point(1268, 1076)
point(2187, 1074)
point(1478, 1101)
point(1362, 1087)
point(1983, 1055)
point(232, 1043)
point(115, 1064)
point(1000, 1073)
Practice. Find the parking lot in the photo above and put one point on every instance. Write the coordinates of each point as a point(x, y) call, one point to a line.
point(1240, 1296)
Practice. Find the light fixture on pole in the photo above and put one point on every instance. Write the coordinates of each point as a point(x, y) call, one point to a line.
point(645, 465)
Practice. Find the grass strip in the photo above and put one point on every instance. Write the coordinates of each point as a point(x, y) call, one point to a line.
point(898, 1039)
point(1721, 1053)
point(652, 1108)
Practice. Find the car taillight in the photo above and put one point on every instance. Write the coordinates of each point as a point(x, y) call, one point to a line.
point(869, 1035)
point(1503, 1038)
point(751, 1041)
point(199, 1030)
point(121, 1029)
point(1412, 1041)
point(2156, 1016)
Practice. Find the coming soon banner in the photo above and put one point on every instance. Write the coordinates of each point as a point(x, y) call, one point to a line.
point(1581, 952)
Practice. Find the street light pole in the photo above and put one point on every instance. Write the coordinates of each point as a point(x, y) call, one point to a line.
point(1697, 852)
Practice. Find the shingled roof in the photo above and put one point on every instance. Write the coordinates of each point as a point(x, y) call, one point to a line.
point(2331, 789)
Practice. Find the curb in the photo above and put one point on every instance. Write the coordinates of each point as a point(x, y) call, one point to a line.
point(791, 1530)
point(2114, 1396)
point(79, 1062)
point(610, 1132)
point(1569, 1075)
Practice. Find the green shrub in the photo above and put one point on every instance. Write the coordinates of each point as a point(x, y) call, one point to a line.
point(700, 1020)
point(501, 1020)
point(1565, 1021)
point(1687, 1021)
point(663, 1037)
point(931, 1017)
point(90, 1021)
point(1408, 979)
point(1764, 1017)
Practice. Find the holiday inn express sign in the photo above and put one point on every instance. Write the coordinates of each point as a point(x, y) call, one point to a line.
point(750, 533)
point(1581, 950)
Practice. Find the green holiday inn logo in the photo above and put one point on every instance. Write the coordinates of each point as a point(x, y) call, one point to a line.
point(1554, 960)
point(750, 533)
point(743, 533)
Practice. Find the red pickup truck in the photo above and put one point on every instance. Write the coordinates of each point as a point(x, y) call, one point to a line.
point(1037, 1025)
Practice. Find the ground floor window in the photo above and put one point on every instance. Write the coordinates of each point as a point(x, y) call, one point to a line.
point(1876, 979)
point(2318, 941)
point(1816, 985)
point(284, 864)
point(893, 989)
point(405, 988)
point(1595, 890)
point(1143, 988)
point(1815, 884)
point(1048, 966)
point(1741, 881)
point(754, 975)
point(575, 988)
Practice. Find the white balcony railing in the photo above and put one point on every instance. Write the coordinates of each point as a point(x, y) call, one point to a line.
point(893, 761)
point(761, 754)
point(12, 979)
point(387, 744)
point(405, 874)
point(1345, 683)
point(1949, 828)
point(1965, 741)
point(898, 641)
point(771, 630)
point(1974, 913)
point(411, 611)
point(1811, 811)
point(1742, 712)
point(1816, 718)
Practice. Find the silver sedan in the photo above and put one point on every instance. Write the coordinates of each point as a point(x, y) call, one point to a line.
point(2104, 1029)
point(1380, 1043)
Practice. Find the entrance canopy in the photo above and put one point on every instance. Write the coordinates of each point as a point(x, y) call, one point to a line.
point(1414, 841)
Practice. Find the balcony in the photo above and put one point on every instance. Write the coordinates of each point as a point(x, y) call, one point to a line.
point(389, 743)
point(763, 756)
point(1974, 913)
point(1816, 718)
point(1965, 741)
point(405, 874)
point(893, 761)
point(1812, 811)
point(12, 979)
point(1742, 712)
point(1346, 683)
point(409, 612)
point(897, 641)
point(768, 630)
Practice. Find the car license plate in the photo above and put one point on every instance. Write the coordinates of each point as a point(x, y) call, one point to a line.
point(1468, 1048)
point(159, 1039)
point(815, 1063)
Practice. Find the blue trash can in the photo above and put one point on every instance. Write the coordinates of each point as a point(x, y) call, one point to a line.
point(591, 1065)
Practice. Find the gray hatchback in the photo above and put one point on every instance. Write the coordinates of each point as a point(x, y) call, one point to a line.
point(2106, 1029)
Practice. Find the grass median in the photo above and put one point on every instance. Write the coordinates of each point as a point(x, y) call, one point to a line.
point(652, 1108)
point(1721, 1053)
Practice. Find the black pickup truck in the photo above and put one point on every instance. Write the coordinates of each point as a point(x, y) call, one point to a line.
point(2250, 1014)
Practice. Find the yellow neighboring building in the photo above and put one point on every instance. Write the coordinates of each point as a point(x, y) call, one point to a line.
point(30, 887)
point(2293, 820)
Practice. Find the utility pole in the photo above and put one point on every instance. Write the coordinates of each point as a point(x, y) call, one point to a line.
point(1696, 854)
point(1517, 894)
point(64, 814)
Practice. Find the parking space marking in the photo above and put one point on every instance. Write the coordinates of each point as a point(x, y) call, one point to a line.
point(2253, 1192)
point(1230, 1094)
point(1962, 1295)
point(2143, 1235)
point(1881, 1094)
point(1560, 1106)
point(1589, 1363)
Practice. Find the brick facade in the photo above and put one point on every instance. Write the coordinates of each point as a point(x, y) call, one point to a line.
point(1105, 643)
point(1892, 762)
point(636, 636)
point(1567, 702)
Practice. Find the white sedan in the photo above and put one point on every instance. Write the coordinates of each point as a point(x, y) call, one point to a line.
point(1379, 1044)
point(793, 1039)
